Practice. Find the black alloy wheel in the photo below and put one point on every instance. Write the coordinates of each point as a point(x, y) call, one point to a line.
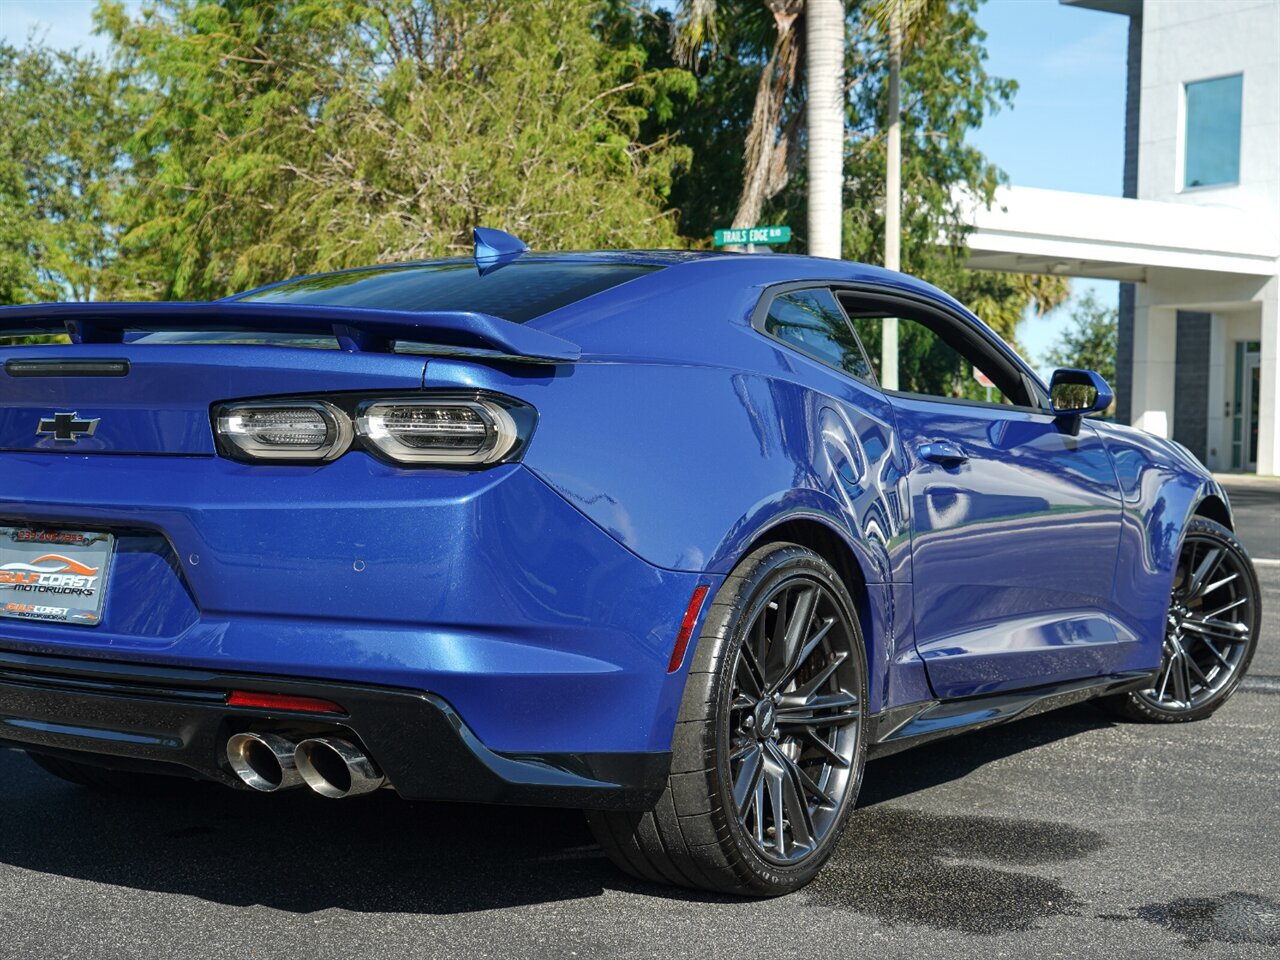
point(1211, 629)
point(769, 749)
point(793, 718)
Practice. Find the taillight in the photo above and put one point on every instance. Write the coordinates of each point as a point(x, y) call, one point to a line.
point(475, 429)
point(302, 430)
point(438, 431)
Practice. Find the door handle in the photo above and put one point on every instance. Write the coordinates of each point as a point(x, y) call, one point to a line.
point(944, 452)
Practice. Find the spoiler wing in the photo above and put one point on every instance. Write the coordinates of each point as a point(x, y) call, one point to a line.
point(356, 328)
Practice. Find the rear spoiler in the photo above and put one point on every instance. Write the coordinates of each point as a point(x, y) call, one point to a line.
point(356, 328)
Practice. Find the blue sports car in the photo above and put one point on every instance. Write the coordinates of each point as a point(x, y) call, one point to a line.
point(681, 539)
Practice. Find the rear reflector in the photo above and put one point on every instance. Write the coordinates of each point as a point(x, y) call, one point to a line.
point(686, 628)
point(280, 701)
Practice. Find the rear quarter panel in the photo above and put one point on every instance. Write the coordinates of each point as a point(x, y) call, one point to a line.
point(685, 434)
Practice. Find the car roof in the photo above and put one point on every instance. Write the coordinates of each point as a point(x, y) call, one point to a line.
point(746, 267)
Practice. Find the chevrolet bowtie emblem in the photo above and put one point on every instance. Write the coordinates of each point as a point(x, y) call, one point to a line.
point(67, 427)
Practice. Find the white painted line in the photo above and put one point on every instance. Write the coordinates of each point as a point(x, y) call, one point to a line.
point(1260, 684)
point(1265, 562)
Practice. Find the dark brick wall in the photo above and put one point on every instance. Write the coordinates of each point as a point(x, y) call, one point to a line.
point(1132, 101)
point(1191, 382)
point(1124, 357)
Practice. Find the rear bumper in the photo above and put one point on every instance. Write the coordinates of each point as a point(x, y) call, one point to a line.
point(487, 589)
point(172, 720)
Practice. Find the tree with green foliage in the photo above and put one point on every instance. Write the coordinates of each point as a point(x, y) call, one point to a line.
point(1090, 341)
point(61, 173)
point(946, 93)
point(276, 138)
point(233, 142)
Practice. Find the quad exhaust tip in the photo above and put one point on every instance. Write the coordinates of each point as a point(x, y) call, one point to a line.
point(264, 761)
point(336, 768)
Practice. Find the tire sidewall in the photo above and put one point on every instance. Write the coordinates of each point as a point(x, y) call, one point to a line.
point(1227, 538)
point(770, 568)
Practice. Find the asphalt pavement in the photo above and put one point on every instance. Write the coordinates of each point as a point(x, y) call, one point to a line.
point(1065, 835)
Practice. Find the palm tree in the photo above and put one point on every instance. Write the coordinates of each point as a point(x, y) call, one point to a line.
point(904, 22)
point(770, 149)
point(824, 72)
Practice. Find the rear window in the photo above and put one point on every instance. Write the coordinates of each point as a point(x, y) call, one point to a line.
point(517, 292)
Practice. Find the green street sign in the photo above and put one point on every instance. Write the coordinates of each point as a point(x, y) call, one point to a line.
point(746, 235)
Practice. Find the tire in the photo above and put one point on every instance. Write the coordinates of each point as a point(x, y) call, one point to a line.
point(697, 835)
point(102, 778)
point(1213, 571)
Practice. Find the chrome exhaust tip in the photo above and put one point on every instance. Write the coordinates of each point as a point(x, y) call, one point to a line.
point(335, 768)
point(263, 761)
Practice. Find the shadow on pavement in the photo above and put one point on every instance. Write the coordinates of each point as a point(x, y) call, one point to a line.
point(301, 853)
point(945, 760)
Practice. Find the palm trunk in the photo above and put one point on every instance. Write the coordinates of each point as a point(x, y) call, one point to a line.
point(824, 58)
point(893, 197)
point(767, 161)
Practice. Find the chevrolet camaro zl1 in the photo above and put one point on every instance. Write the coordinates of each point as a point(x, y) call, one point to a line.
point(681, 539)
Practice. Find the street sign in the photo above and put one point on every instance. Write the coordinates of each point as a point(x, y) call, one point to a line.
point(749, 235)
point(982, 378)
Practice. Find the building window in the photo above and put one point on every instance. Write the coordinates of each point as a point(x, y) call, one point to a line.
point(1211, 137)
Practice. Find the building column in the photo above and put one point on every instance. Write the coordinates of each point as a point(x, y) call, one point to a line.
point(1190, 426)
point(1269, 405)
point(1154, 364)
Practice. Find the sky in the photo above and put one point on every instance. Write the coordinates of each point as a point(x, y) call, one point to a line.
point(1066, 128)
point(1064, 132)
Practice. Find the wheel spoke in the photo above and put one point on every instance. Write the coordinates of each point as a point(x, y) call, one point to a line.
point(1216, 652)
point(745, 783)
point(1175, 677)
point(810, 645)
point(1227, 630)
point(795, 803)
point(809, 714)
point(773, 777)
point(1190, 661)
point(1207, 566)
point(751, 670)
point(788, 639)
point(778, 640)
point(761, 646)
point(816, 681)
point(1164, 680)
point(758, 804)
point(1239, 601)
point(1219, 584)
point(811, 737)
point(1182, 678)
point(810, 787)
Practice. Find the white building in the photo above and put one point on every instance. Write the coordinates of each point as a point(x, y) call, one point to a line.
point(1196, 238)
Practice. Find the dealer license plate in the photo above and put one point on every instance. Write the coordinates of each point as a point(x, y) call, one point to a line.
point(55, 575)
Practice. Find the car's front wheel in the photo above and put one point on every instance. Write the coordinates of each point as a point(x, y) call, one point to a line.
point(768, 752)
point(1212, 627)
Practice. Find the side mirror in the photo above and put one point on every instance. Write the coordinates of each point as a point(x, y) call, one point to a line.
point(1075, 393)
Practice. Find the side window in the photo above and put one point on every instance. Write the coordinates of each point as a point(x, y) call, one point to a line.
point(812, 322)
point(928, 364)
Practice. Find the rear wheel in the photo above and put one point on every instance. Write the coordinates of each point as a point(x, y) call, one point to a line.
point(1211, 630)
point(768, 752)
